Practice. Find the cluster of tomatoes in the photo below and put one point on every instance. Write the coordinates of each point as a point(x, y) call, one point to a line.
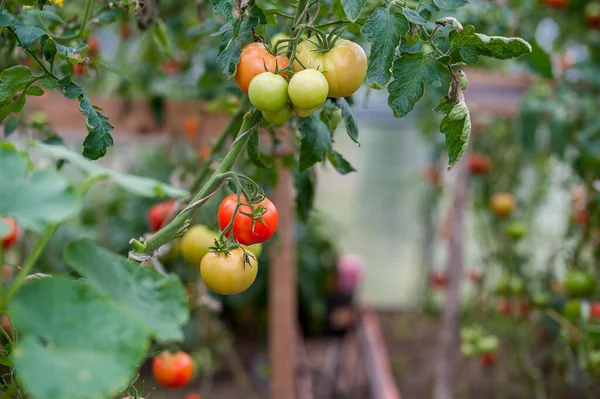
point(230, 270)
point(316, 74)
point(475, 342)
point(591, 11)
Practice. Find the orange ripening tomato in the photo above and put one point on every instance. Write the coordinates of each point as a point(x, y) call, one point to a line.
point(191, 127)
point(502, 204)
point(78, 69)
point(193, 396)
point(9, 239)
point(173, 370)
point(93, 46)
point(252, 62)
point(170, 67)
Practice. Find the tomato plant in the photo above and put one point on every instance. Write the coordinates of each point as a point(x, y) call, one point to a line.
point(249, 226)
point(254, 59)
point(230, 272)
point(173, 370)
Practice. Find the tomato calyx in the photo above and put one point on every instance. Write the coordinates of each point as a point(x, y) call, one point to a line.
point(227, 245)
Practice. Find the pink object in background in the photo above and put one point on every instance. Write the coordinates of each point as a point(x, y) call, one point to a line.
point(350, 269)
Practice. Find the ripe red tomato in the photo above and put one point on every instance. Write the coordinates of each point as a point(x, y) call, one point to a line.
point(252, 62)
point(78, 69)
point(504, 307)
point(502, 204)
point(582, 217)
point(191, 126)
point(172, 370)
point(438, 279)
point(557, 4)
point(432, 175)
point(93, 46)
point(193, 396)
point(592, 15)
point(344, 66)
point(475, 275)
point(488, 359)
point(243, 230)
point(479, 164)
point(9, 239)
point(158, 213)
point(227, 273)
point(170, 67)
point(595, 310)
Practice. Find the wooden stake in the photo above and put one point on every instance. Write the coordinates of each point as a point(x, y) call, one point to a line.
point(282, 292)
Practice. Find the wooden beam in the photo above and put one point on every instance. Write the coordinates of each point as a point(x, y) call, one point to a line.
point(282, 292)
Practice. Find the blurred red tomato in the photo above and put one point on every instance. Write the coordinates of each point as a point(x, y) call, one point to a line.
point(438, 279)
point(488, 359)
point(592, 15)
point(504, 307)
point(475, 275)
point(557, 4)
point(479, 164)
point(93, 46)
point(432, 175)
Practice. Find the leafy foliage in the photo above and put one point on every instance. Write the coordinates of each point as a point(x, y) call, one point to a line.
point(316, 141)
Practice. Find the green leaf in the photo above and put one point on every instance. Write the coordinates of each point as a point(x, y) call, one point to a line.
point(498, 47)
point(539, 61)
point(45, 15)
point(444, 106)
point(14, 81)
point(224, 7)
point(162, 38)
point(35, 91)
point(108, 16)
point(10, 125)
point(457, 132)
point(28, 34)
point(253, 152)
point(384, 31)
point(469, 54)
point(352, 8)
point(431, 76)
point(413, 16)
point(142, 186)
point(34, 198)
point(305, 184)
point(49, 83)
point(6, 19)
point(74, 342)
point(407, 87)
point(71, 54)
point(316, 141)
point(349, 121)
point(98, 138)
point(450, 4)
point(339, 163)
point(232, 43)
point(330, 115)
point(156, 302)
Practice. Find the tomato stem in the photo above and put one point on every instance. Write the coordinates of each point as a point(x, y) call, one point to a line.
point(175, 227)
point(86, 17)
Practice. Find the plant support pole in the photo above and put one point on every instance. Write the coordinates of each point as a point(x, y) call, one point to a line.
point(447, 361)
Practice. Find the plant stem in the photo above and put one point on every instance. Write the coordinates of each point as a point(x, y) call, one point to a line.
point(32, 54)
point(28, 265)
point(234, 126)
point(179, 223)
point(86, 17)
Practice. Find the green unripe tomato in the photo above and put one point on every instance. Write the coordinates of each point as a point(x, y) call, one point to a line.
point(268, 92)
point(469, 335)
point(412, 37)
point(256, 250)
point(279, 117)
point(196, 243)
point(427, 48)
point(579, 284)
point(541, 300)
point(516, 229)
point(517, 286)
point(468, 349)
point(304, 113)
point(572, 310)
point(308, 89)
point(503, 286)
point(488, 344)
point(282, 46)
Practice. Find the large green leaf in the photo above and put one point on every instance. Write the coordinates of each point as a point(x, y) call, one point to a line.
point(152, 300)
point(6, 19)
point(539, 61)
point(98, 138)
point(384, 31)
point(13, 82)
point(141, 186)
point(340, 163)
point(407, 87)
point(498, 47)
point(450, 4)
point(28, 34)
point(74, 343)
point(316, 141)
point(456, 126)
point(232, 43)
point(413, 16)
point(352, 8)
point(349, 121)
point(34, 198)
point(224, 7)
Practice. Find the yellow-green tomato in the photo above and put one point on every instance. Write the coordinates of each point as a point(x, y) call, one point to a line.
point(279, 117)
point(304, 113)
point(344, 66)
point(308, 89)
point(227, 273)
point(268, 92)
point(282, 46)
point(256, 249)
point(196, 243)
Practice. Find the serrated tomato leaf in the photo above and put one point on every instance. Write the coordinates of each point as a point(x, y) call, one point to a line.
point(224, 7)
point(406, 88)
point(35, 198)
point(152, 300)
point(384, 30)
point(352, 8)
point(316, 141)
point(413, 16)
point(456, 126)
point(13, 82)
point(340, 163)
point(28, 34)
point(498, 47)
point(232, 43)
point(348, 118)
